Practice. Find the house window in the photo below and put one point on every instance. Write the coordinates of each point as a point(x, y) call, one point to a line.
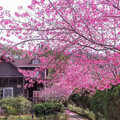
point(35, 61)
point(7, 91)
point(37, 74)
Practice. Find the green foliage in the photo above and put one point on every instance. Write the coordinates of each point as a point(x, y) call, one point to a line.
point(18, 105)
point(81, 111)
point(9, 101)
point(106, 103)
point(13, 117)
point(65, 102)
point(99, 103)
point(59, 116)
point(3, 118)
point(42, 109)
point(18, 52)
point(80, 99)
point(24, 104)
point(11, 110)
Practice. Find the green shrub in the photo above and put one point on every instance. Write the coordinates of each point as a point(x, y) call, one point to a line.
point(105, 104)
point(11, 110)
point(9, 101)
point(14, 106)
point(42, 109)
point(24, 105)
point(80, 99)
point(99, 104)
point(65, 102)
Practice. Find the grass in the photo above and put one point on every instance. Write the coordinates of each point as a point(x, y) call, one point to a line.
point(25, 117)
point(3, 118)
point(80, 111)
point(15, 117)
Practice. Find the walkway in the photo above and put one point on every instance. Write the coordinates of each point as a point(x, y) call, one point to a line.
point(74, 116)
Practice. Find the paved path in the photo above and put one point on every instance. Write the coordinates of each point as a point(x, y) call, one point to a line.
point(74, 116)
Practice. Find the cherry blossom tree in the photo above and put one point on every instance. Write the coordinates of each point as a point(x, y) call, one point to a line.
point(51, 94)
point(90, 74)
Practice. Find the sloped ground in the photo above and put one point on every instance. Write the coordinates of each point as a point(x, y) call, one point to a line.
point(74, 116)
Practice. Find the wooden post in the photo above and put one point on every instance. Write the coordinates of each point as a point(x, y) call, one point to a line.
point(8, 79)
point(17, 80)
point(32, 117)
point(0, 111)
point(23, 85)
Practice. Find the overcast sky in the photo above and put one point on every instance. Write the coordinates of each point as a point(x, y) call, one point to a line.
point(13, 4)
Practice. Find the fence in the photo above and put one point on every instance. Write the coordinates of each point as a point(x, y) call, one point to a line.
point(37, 96)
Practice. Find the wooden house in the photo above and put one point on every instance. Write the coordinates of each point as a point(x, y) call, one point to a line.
point(12, 81)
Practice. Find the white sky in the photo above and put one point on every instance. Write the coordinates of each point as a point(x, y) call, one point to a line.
point(13, 4)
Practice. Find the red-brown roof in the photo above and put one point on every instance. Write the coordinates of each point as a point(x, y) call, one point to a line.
point(19, 63)
point(26, 63)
